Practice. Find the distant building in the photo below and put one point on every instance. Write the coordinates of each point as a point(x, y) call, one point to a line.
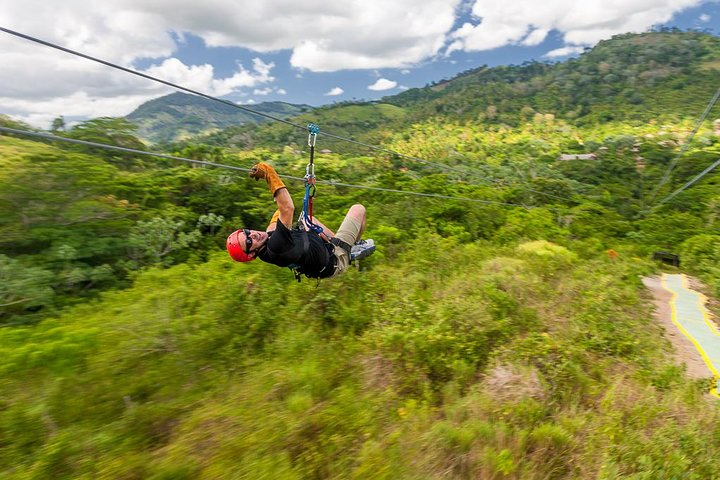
point(717, 127)
point(325, 150)
point(577, 156)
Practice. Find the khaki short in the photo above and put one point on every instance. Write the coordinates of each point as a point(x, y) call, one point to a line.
point(349, 232)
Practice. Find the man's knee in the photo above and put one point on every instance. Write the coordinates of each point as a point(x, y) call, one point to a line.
point(357, 212)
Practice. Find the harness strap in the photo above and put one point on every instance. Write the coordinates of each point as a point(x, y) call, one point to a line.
point(306, 248)
point(344, 245)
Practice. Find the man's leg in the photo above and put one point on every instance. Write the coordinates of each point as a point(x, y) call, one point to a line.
point(349, 232)
point(357, 212)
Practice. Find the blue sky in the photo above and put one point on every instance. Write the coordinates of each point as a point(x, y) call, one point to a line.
point(298, 52)
point(309, 87)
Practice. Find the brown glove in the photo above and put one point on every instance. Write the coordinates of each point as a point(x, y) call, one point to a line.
point(263, 170)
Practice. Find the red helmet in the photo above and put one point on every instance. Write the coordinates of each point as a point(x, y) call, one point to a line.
point(236, 249)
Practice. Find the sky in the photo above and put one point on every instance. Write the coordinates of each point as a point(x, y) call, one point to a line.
point(313, 52)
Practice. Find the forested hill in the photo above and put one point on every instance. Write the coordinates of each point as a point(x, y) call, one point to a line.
point(500, 330)
point(179, 116)
point(633, 77)
point(629, 77)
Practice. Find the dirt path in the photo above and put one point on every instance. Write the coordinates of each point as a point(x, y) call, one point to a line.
point(684, 351)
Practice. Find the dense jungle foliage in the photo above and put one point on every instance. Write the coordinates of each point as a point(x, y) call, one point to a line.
point(481, 340)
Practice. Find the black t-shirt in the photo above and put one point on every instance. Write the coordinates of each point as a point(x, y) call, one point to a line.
point(303, 250)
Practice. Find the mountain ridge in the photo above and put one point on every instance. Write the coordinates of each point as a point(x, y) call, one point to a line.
point(180, 116)
point(644, 77)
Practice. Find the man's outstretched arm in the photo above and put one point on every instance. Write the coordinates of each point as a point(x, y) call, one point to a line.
point(281, 196)
point(286, 208)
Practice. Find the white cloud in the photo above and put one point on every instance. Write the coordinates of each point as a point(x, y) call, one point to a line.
point(335, 92)
point(704, 18)
point(80, 104)
point(320, 36)
point(382, 84)
point(202, 77)
point(564, 51)
point(323, 36)
point(405, 71)
point(82, 89)
point(262, 69)
point(281, 91)
point(521, 22)
point(262, 91)
point(38, 83)
point(535, 37)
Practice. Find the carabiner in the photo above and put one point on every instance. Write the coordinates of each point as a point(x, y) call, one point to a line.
point(314, 130)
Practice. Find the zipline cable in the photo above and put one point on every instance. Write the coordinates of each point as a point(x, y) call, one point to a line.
point(249, 110)
point(688, 184)
point(685, 146)
point(149, 77)
point(47, 136)
point(226, 102)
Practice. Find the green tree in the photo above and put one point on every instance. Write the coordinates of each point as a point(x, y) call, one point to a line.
point(109, 131)
point(701, 253)
point(210, 222)
point(668, 229)
point(152, 241)
point(58, 124)
point(52, 197)
point(114, 131)
point(23, 287)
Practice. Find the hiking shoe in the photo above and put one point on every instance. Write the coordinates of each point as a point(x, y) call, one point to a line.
point(362, 249)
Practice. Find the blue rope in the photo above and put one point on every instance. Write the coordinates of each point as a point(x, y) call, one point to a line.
point(307, 219)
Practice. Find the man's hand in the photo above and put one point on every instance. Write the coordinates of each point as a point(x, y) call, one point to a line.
point(265, 171)
point(261, 170)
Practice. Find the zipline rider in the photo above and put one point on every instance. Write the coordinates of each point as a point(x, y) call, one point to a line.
point(313, 252)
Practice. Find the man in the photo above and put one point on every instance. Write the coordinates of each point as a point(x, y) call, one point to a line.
point(314, 255)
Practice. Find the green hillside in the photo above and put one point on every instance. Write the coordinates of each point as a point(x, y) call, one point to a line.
point(657, 76)
point(490, 336)
point(448, 361)
point(180, 116)
point(630, 77)
point(368, 122)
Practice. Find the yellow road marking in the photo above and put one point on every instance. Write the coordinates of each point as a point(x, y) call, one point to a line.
point(673, 314)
